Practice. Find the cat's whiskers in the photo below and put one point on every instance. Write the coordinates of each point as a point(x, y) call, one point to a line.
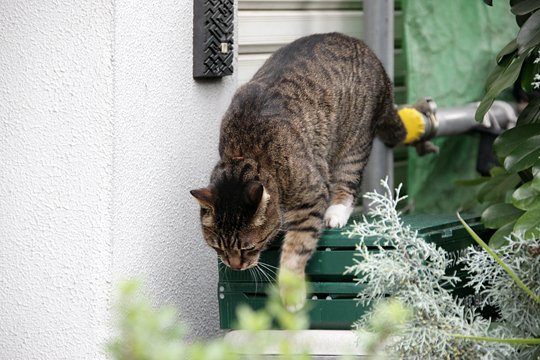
point(255, 277)
point(268, 279)
point(265, 279)
point(265, 270)
point(223, 268)
point(267, 276)
point(268, 266)
point(258, 271)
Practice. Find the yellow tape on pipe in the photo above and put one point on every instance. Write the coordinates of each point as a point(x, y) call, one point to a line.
point(414, 124)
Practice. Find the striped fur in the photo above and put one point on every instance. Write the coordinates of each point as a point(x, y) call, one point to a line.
point(302, 129)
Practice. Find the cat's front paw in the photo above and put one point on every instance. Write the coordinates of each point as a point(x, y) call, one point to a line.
point(292, 289)
point(294, 306)
point(337, 215)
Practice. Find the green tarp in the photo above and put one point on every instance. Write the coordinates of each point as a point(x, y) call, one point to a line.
point(450, 48)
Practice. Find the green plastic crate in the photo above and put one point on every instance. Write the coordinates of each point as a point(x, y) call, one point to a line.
point(332, 301)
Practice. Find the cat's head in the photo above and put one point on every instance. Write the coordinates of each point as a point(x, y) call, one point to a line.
point(238, 216)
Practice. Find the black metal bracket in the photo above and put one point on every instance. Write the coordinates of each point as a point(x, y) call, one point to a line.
point(213, 38)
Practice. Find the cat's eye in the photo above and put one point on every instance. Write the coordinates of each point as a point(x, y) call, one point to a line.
point(249, 248)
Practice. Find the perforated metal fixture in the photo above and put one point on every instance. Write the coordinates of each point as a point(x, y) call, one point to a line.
point(213, 38)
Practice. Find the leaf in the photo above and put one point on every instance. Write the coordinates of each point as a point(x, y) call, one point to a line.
point(513, 341)
point(531, 113)
point(498, 215)
point(502, 64)
point(498, 239)
point(511, 139)
point(536, 176)
point(509, 49)
point(471, 182)
point(496, 171)
point(520, 19)
point(528, 71)
point(524, 156)
point(526, 197)
point(497, 187)
point(483, 108)
point(529, 34)
point(528, 224)
point(535, 41)
point(525, 7)
point(515, 2)
point(506, 78)
point(498, 70)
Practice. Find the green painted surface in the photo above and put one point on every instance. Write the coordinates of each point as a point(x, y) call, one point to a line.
point(332, 303)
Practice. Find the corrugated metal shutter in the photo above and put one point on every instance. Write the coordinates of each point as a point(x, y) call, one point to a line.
point(265, 25)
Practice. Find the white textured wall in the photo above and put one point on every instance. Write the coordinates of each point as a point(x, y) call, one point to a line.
point(167, 130)
point(102, 133)
point(55, 178)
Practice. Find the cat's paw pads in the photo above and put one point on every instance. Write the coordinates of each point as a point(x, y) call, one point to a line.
point(294, 308)
point(296, 303)
point(336, 216)
point(292, 289)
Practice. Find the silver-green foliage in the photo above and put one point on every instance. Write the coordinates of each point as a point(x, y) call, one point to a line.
point(519, 312)
point(414, 272)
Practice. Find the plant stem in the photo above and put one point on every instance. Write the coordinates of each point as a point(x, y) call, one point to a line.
point(499, 261)
point(531, 341)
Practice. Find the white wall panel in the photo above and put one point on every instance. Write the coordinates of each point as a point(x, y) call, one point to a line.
point(299, 4)
point(265, 31)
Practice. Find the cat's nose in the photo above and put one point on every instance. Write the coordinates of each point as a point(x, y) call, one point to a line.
point(235, 263)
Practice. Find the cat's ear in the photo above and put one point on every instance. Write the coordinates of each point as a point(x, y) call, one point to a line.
point(258, 197)
point(253, 193)
point(205, 197)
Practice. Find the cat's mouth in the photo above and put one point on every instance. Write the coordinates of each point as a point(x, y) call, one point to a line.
point(238, 265)
point(241, 268)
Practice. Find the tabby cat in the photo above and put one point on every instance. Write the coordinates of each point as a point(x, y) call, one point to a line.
point(293, 145)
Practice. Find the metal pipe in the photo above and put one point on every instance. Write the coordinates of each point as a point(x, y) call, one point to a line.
point(459, 120)
point(427, 122)
point(378, 32)
point(455, 120)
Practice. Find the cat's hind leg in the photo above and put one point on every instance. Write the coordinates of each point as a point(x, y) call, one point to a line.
point(338, 213)
point(346, 178)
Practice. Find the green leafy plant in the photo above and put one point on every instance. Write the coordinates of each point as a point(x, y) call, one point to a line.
point(143, 332)
point(512, 192)
point(413, 272)
point(146, 333)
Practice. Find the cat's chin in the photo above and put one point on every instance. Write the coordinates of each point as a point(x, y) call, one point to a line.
point(251, 266)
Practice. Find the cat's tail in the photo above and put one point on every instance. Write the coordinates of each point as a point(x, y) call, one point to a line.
point(390, 128)
point(403, 127)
